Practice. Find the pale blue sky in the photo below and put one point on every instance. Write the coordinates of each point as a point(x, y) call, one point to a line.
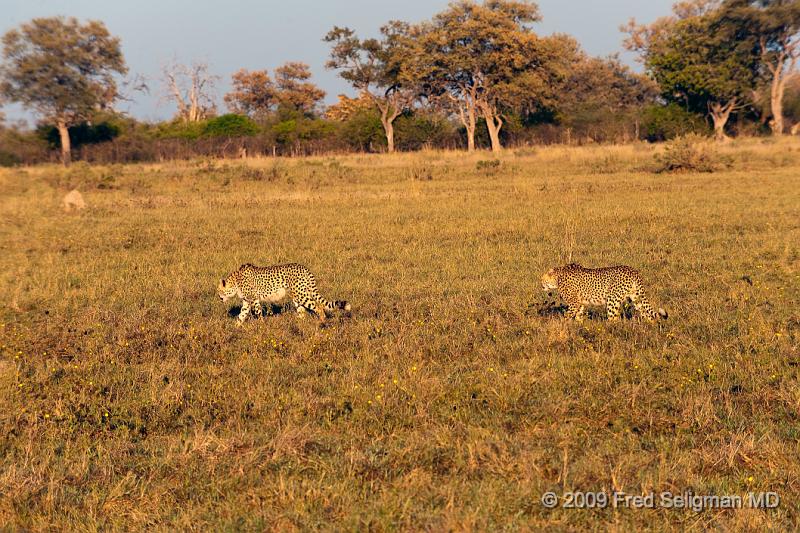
point(257, 34)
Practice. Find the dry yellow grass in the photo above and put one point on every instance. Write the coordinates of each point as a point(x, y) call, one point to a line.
point(129, 400)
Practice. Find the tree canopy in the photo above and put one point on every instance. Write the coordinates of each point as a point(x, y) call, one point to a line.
point(701, 58)
point(486, 60)
point(61, 69)
point(255, 94)
point(294, 90)
point(776, 26)
point(602, 93)
point(378, 69)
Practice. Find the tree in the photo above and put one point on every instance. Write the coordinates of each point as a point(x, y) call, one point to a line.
point(253, 93)
point(603, 93)
point(700, 58)
point(377, 68)
point(346, 107)
point(256, 95)
point(294, 90)
point(191, 88)
point(61, 69)
point(231, 125)
point(792, 103)
point(484, 59)
point(777, 25)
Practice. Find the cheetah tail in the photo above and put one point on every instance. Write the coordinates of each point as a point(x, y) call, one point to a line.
point(336, 304)
point(663, 313)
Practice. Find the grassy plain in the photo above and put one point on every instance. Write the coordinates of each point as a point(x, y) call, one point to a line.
point(446, 401)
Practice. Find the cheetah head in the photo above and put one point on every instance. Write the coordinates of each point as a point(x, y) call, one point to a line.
point(226, 289)
point(549, 281)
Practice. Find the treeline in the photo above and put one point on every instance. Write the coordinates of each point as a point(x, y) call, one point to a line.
point(112, 139)
point(474, 76)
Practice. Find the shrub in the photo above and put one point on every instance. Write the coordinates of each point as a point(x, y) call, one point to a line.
point(285, 131)
point(690, 153)
point(230, 125)
point(420, 172)
point(662, 123)
point(488, 166)
point(363, 131)
point(178, 129)
point(80, 134)
point(8, 159)
point(414, 131)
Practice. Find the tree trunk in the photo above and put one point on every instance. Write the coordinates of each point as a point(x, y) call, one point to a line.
point(467, 115)
point(193, 106)
point(63, 133)
point(776, 103)
point(493, 124)
point(469, 120)
point(719, 115)
point(467, 112)
point(388, 127)
point(470, 125)
point(390, 110)
point(782, 66)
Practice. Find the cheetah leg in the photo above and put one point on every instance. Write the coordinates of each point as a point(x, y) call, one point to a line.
point(311, 305)
point(257, 310)
point(319, 309)
point(612, 309)
point(301, 311)
point(643, 307)
point(245, 312)
point(575, 310)
point(316, 307)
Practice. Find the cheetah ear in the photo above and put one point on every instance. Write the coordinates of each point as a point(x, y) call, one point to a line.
point(223, 281)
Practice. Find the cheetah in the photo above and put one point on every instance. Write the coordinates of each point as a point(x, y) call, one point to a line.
point(275, 285)
point(609, 286)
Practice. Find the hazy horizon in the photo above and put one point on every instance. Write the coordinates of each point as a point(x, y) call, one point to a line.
point(257, 35)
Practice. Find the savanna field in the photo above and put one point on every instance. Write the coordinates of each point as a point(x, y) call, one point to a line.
point(450, 398)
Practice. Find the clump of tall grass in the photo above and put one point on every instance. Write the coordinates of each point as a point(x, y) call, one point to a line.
point(488, 166)
point(690, 153)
